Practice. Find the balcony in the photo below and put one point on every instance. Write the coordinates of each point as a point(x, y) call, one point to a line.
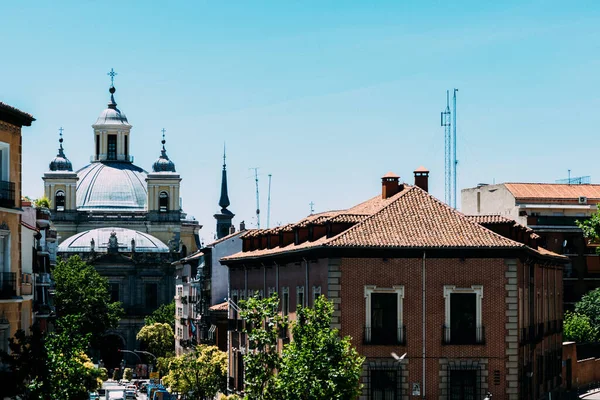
point(43, 279)
point(8, 285)
point(42, 216)
point(382, 336)
point(551, 220)
point(463, 336)
point(7, 194)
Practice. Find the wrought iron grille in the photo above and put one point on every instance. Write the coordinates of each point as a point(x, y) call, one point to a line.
point(465, 380)
point(385, 380)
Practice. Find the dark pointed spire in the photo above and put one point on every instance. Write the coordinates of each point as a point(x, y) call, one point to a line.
point(224, 200)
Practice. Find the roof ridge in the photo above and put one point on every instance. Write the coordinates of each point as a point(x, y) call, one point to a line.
point(402, 193)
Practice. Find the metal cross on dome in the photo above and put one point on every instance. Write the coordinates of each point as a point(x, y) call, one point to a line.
point(163, 132)
point(112, 75)
point(61, 130)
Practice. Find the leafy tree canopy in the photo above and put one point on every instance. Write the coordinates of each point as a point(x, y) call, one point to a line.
point(82, 293)
point(165, 314)
point(591, 227)
point(577, 328)
point(589, 306)
point(201, 373)
point(159, 338)
point(318, 364)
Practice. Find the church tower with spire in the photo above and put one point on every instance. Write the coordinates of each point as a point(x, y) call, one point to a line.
point(225, 216)
point(60, 182)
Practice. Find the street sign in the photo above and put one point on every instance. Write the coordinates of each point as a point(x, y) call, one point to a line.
point(416, 389)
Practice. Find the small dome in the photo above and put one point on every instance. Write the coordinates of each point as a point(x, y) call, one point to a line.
point(61, 162)
point(100, 240)
point(112, 115)
point(163, 164)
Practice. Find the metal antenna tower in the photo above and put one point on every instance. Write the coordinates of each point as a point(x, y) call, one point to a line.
point(269, 204)
point(257, 198)
point(445, 122)
point(454, 160)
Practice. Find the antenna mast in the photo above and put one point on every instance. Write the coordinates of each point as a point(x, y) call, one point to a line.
point(454, 160)
point(269, 204)
point(257, 198)
point(445, 122)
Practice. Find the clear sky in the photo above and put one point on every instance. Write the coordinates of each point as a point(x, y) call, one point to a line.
point(326, 96)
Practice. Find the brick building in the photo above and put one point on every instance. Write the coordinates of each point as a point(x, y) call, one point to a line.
point(550, 209)
point(474, 310)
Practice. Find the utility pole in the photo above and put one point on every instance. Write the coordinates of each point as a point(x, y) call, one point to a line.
point(269, 204)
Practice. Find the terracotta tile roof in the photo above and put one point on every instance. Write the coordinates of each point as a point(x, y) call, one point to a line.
point(410, 219)
point(553, 191)
point(219, 307)
point(418, 220)
point(230, 236)
point(390, 175)
point(21, 116)
point(421, 169)
point(490, 219)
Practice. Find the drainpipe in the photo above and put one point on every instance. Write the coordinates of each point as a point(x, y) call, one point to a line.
point(423, 353)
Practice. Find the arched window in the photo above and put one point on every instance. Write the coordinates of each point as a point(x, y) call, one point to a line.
point(163, 202)
point(59, 200)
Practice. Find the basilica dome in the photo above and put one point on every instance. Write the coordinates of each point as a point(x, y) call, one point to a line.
point(112, 186)
point(100, 240)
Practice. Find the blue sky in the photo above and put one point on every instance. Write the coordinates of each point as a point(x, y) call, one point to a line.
point(325, 96)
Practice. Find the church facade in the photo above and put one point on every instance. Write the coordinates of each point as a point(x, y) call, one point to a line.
point(125, 221)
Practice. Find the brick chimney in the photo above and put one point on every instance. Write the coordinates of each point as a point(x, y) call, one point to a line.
point(422, 178)
point(242, 226)
point(390, 185)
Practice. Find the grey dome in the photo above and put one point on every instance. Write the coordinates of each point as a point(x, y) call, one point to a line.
point(81, 242)
point(112, 186)
point(61, 162)
point(163, 164)
point(112, 115)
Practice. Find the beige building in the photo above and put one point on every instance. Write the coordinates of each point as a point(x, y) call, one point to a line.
point(15, 309)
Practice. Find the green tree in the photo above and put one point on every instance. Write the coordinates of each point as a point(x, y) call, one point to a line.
point(262, 360)
point(318, 364)
point(201, 373)
point(127, 374)
point(591, 227)
point(578, 328)
point(589, 306)
point(103, 374)
point(159, 338)
point(83, 293)
point(165, 314)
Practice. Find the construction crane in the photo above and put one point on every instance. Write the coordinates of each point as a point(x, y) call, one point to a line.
point(257, 198)
point(268, 203)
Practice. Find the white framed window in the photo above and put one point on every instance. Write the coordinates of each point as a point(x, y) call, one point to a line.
point(463, 324)
point(180, 311)
point(4, 250)
point(4, 161)
point(285, 301)
point(59, 200)
point(299, 296)
point(383, 316)
point(316, 291)
point(163, 201)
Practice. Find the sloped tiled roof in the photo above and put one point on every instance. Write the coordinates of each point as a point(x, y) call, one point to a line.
point(553, 191)
point(219, 307)
point(417, 219)
point(15, 114)
point(410, 219)
point(490, 219)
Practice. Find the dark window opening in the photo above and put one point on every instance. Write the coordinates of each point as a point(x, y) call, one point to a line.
point(463, 384)
point(300, 300)
point(285, 304)
point(59, 200)
point(463, 318)
point(151, 295)
point(112, 147)
point(97, 146)
point(163, 202)
point(384, 384)
point(114, 292)
point(384, 318)
point(126, 139)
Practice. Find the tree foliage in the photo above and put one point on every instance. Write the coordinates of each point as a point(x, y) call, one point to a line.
point(159, 338)
point(127, 374)
point(262, 360)
point(318, 364)
point(589, 306)
point(81, 292)
point(165, 314)
point(201, 373)
point(577, 328)
point(591, 227)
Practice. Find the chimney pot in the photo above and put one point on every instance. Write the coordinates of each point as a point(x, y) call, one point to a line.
point(422, 178)
point(390, 185)
point(242, 226)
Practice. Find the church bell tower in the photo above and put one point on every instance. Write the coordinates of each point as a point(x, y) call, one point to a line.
point(60, 182)
point(163, 185)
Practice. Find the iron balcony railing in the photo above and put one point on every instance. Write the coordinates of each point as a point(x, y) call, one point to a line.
point(8, 285)
point(7, 194)
point(382, 336)
point(463, 335)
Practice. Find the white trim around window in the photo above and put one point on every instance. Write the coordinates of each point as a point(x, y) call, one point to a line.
point(370, 289)
point(478, 290)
